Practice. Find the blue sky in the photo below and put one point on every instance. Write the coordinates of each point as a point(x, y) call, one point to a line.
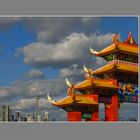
point(16, 37)
point(51, 49)
point(120, 25)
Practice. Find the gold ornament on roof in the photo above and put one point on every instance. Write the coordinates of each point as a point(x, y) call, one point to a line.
point(115, 39)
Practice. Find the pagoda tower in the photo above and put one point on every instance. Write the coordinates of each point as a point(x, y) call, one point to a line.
point(83, 99)
point(122, 65)
point(122, 60)
point(102, 85)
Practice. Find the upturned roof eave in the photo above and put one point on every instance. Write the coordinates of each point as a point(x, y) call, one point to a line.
point(121, 47)
point(119, 67)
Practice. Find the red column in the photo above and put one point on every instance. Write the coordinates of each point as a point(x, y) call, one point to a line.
point(111, 110)
point(74, 116)
point(95, 115)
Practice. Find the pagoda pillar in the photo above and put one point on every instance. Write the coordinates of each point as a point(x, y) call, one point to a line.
point(74, 116)
point(111, 110)
point(95, 113)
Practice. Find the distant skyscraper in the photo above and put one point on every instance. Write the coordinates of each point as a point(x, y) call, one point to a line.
point(1, 113)
point(17, 115)
point(39, 119)
point(46, 116)
point(5, 113)
point(29, 118)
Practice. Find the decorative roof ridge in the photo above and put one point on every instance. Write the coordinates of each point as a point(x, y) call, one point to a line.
point(100, 79)
point(50, 99)
point(97, 78)
point(122, 62)
point(103, 67)
point(130, 45)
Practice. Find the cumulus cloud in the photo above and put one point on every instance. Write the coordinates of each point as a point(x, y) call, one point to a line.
point(26, 104)
point(71, 50)
point(35, 74)
point(19, 89)
point(100, 62)
point(27, 89)
point(5, 92)
point(128, 111)
point(53, 29)
point(74, 73)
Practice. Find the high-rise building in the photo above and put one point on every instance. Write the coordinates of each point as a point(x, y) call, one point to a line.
point(18, 115)
point(46, 116)
point(5, 113)
point(39, 119)
point(1, 113)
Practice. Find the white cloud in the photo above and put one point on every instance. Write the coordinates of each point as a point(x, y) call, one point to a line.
point(27, 89)
point(128, 111)
point(24, 104)
point(54, 29)
point(74, 73)
point(35, 74)
point(100, 62)
point(5, 92)
point(29, 103)
point(71, 50)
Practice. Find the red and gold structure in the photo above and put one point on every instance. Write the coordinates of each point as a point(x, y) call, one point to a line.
point(101, 85)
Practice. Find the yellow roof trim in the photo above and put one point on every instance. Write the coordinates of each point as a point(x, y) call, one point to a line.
point(95, 83)
point(121, 47)
point(120, 66)
point(79, 99)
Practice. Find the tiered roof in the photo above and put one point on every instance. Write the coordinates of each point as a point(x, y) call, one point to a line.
point(118, 65)
point(129, 47)
point(78, 99)
point(96, 83)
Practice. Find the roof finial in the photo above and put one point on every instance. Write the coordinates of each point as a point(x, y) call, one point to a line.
point(130, 39)
point(115, 39)
point(88, 72)
point(92, 50)
point(50, 99)
point(85, 68)
point(68, 83)
point(71, 87)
